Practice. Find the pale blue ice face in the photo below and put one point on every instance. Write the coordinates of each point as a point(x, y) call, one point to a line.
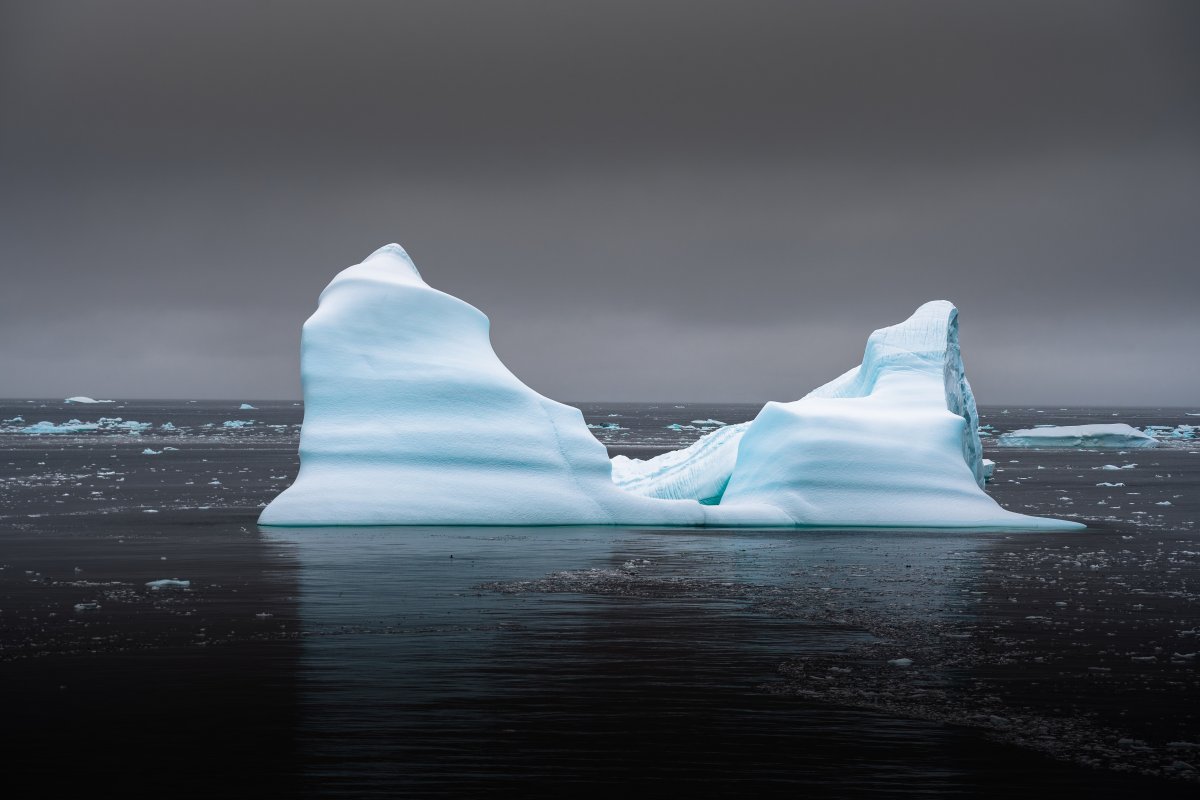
point(411, 419)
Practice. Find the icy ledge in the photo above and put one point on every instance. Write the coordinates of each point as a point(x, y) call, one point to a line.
point(411, 419)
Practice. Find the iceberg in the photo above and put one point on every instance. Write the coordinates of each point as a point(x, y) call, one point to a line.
point(411, 419)
point(86, 400)
point(168, 583)
point(1115, 434)
point(246, 407)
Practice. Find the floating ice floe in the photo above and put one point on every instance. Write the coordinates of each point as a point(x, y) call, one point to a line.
point(70, 426)
point(1172, 431)
point(82, 399)
point(237, 423)
point(707, 422)
point(411, 419)
point(167, 583)
point(1115, 434)
point(989, 469)
point(110, 424)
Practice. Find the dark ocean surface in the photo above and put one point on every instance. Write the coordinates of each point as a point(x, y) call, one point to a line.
point(416, 662)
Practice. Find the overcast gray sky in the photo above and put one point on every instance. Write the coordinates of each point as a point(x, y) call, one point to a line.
point(650, 200)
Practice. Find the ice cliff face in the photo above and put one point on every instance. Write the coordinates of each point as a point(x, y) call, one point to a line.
point(411, 419)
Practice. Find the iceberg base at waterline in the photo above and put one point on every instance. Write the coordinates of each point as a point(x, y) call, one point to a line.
point(411, 419)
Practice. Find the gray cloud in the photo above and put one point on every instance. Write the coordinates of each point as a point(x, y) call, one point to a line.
point(651, 201)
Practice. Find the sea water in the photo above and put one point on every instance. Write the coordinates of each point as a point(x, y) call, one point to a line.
point(466, 661)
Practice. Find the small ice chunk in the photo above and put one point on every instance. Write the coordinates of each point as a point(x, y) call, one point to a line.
point(149, 452)
point(707, 422)
point(901, 662)
point(237, 423)
point(82, 607)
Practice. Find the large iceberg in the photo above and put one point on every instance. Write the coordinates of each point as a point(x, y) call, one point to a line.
point(411, 419)
point(1113, 434)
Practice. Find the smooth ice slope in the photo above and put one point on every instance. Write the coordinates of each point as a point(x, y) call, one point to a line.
point(1116, 434)
point(411, 419)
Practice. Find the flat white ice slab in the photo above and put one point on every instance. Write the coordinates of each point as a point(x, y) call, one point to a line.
point(1115, 434)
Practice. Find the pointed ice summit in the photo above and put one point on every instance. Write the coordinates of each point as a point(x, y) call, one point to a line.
point(411, 419)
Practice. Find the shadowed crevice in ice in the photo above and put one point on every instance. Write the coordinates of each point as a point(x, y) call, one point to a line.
point(411, 419)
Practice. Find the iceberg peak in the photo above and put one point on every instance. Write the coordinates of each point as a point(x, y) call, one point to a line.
point(396, 257)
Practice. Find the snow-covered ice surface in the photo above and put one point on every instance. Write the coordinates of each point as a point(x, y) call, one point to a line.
point(411, 419)
point(1113, 434)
